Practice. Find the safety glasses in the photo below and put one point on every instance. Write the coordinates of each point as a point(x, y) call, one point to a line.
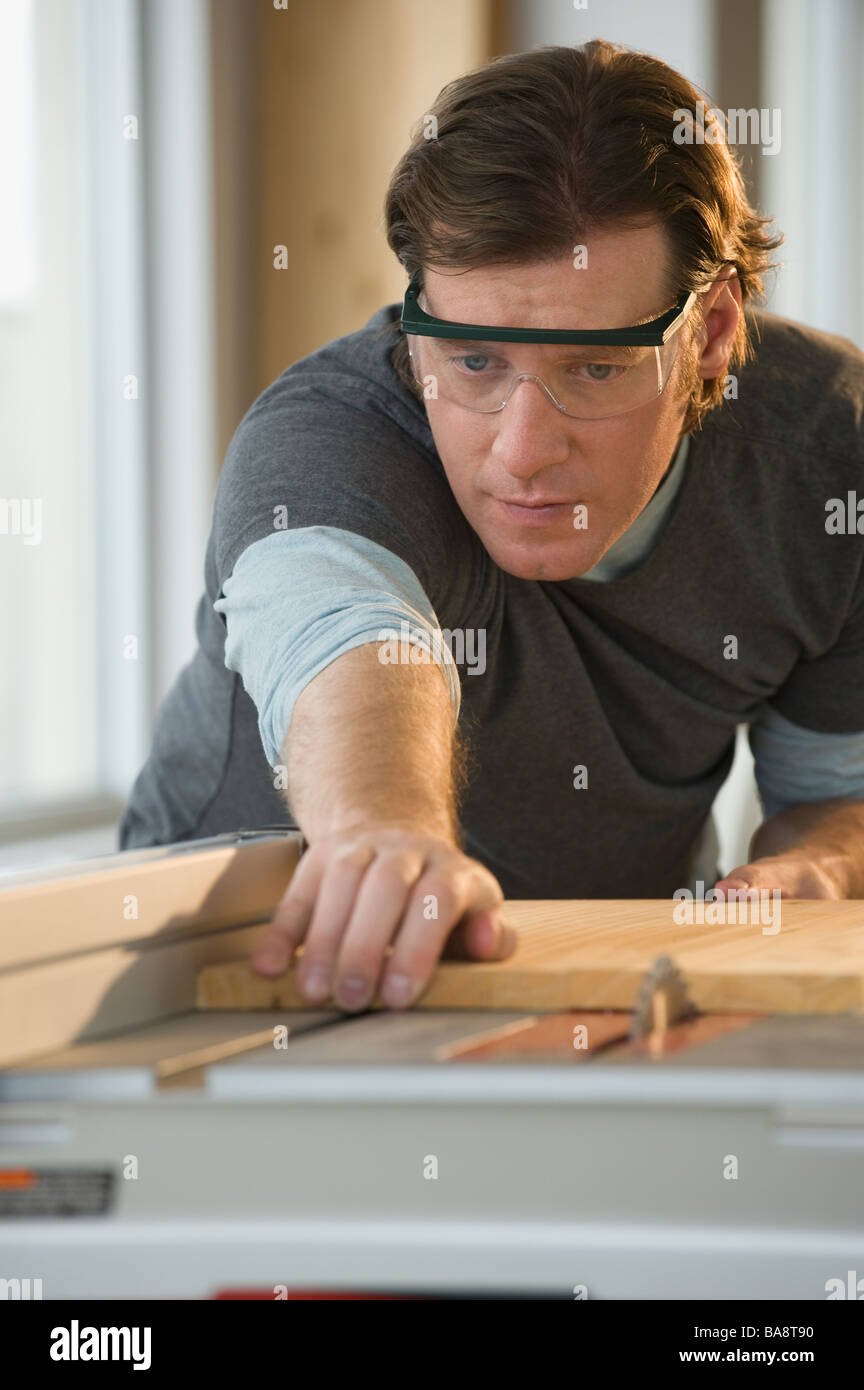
point(604, 372)
point(416, 322)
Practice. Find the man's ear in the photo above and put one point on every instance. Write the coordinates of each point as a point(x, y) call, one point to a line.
point(715, 339)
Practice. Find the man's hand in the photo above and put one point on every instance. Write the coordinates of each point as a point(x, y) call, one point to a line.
point(815, 850)
point(795, 875)
point(356, 892)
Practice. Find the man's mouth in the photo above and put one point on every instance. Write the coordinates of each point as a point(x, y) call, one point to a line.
point(535, 513)
point(534, 501)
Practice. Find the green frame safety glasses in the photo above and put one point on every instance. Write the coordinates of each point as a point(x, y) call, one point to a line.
point(657, 337)
point(656, 333)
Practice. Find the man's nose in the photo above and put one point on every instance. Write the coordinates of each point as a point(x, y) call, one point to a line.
point(532, 431)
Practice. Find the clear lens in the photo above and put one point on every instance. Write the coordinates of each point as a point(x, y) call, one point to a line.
point(586, 382)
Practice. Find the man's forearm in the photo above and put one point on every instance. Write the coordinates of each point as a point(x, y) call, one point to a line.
point(830, 833)
point(373, 742)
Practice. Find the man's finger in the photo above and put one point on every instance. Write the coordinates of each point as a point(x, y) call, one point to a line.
point(274, 951)
point(422, 938)
point(377, 912)
point(739, 885)
point(482, 936)
point(338, 888)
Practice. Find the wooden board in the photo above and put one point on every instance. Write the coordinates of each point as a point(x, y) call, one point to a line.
point(592, 954)
point(105, 944)
point(141, 896)
point(46, 1007)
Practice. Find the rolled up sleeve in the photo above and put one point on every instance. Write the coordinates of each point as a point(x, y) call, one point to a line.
point(298, 599)
point(794, 765)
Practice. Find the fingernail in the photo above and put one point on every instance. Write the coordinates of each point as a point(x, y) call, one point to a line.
point(353, 992)
point(316, 983)
point(398, 991)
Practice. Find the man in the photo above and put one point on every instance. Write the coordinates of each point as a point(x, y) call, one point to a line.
point(492, 603)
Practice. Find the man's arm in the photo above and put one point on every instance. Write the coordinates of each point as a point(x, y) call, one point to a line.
point(374, 770)
point(372, 742)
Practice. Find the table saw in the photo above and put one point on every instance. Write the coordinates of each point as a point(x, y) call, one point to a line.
point(173, 1127)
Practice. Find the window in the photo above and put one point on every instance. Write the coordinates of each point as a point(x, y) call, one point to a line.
point(107, 416)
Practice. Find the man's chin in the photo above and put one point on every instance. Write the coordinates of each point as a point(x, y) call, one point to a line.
point(550, 562)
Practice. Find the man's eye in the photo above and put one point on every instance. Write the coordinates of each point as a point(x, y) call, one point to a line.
point(601, 371)
point(473, 362)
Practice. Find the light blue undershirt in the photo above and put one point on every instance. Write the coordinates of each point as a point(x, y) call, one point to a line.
point(300, 598)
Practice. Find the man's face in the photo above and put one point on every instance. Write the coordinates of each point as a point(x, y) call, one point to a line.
point(530, 452)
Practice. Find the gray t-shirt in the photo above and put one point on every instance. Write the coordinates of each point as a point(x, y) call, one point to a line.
point(604, 721)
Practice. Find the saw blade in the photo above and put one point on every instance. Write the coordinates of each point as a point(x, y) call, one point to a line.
point(662, 999)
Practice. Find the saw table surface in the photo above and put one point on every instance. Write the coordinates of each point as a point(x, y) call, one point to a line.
point(509, 1134)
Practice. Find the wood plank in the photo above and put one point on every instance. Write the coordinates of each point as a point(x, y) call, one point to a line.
point(592, 954)
point(131, 898)
point(46, 1007)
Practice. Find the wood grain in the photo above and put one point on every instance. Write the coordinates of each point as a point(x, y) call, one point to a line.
point(592, 954)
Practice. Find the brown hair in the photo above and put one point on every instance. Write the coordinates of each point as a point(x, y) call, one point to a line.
point(534, 149)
